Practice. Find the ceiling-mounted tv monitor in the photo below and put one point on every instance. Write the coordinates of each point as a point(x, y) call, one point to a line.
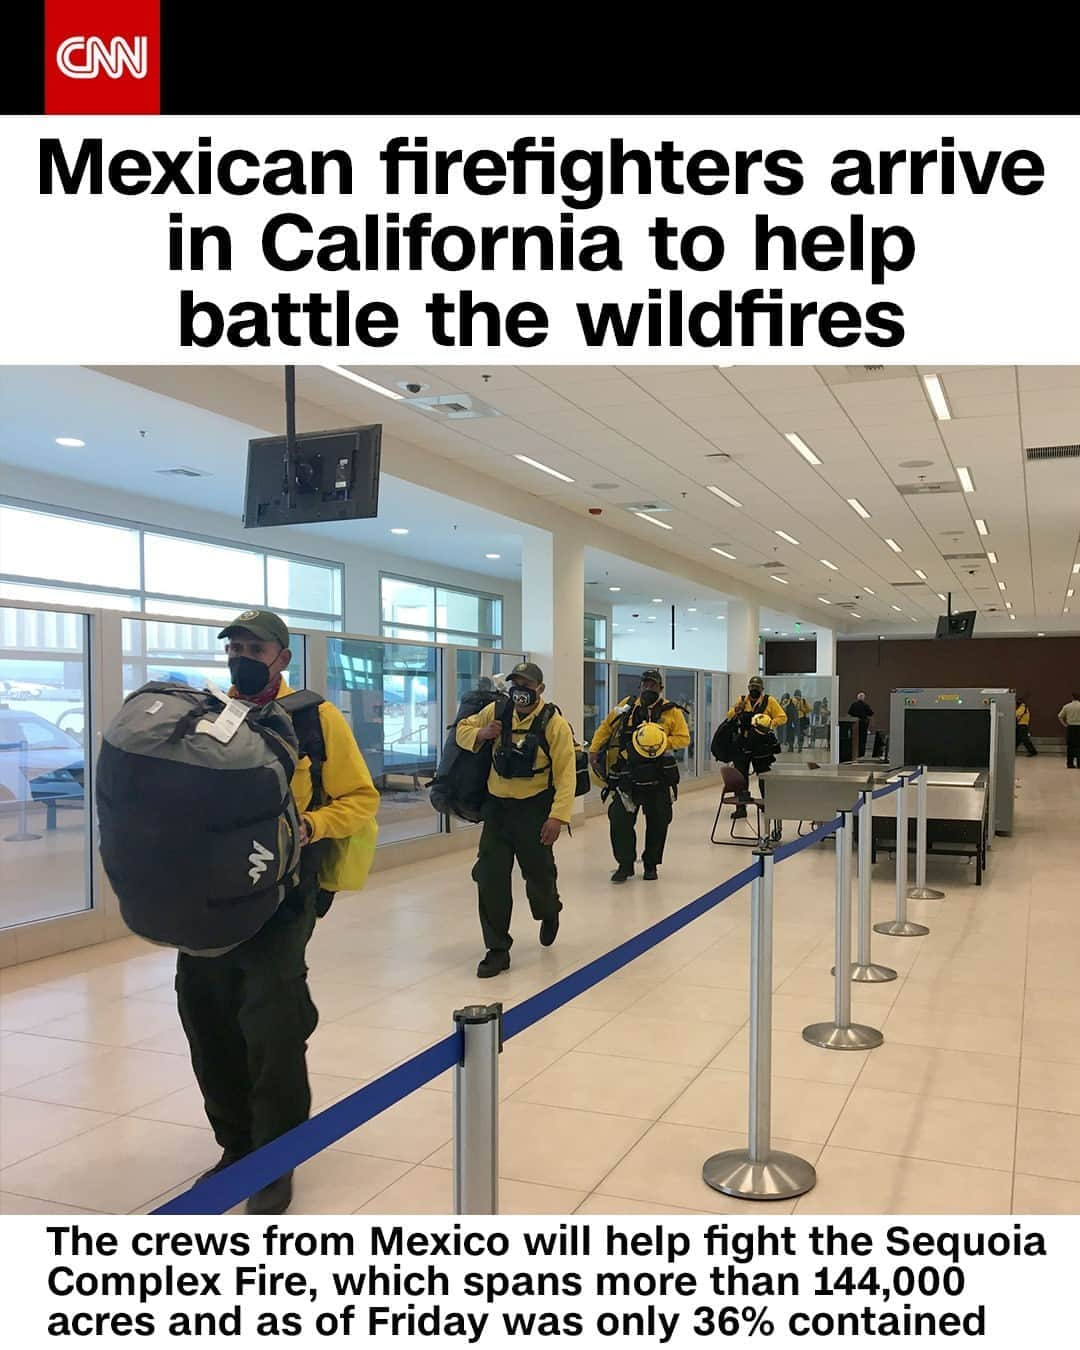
point(336, 473)
point(960, 625)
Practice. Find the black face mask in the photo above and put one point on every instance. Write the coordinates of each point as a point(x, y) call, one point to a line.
point(755, 694)
point(523, 699)
point(648, 697)
point(249, 676)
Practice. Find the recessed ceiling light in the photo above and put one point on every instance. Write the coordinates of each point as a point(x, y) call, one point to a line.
point(644, 515)
point(368, 384)
point(1070, 593)
point(982, 527)
point(1042, 635)
point(1008, 604)
point(70, 442)
point(937, 398)
point(693, 630)
point(657, 600)
point(782, 580)
point(942, 598)
point(858, 507)
point(920, 574)
point(784, 535)
point(1076, 569)
point(493, 556)
point(544, 468)
point(1065, 610)
point(914, 620)
point(992, 556)
point(966, 480)
point(869, 591)
point(766, 630)
point(830, 565)
point(614, 588)
point(725, 496)
point(1001, 585)
point(855, 616)
point(797, 441)
point(898, 609)
point(399, 530)
point(723, 552)
point(824, 601)
point(691, 610)
point(1013, 617)
point(894, 545)
point(651, 618)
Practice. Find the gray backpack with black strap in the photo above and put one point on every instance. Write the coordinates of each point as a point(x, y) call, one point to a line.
point(198, 837)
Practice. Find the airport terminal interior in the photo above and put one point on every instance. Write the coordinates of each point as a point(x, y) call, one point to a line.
point(901, 537)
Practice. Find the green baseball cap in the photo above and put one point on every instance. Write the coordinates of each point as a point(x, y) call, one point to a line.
point(264, 623)
point(529, 671)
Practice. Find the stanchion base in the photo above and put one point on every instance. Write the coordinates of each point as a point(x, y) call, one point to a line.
point(925, 893)
point(781, 1177)
point(20, 838)
point(901, 929)
point(829, 1036)
point(869, 974)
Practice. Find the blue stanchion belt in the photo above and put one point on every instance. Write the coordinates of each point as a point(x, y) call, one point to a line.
point(797, 845)
point(232, 1184)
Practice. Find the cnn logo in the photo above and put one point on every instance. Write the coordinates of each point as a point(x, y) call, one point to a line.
point(85, 58)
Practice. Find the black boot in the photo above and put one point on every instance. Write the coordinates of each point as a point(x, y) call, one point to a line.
point(494, 963)
point(228, 1157)
point(273, 1199)
point(549, 931)
point(650, 873)
point(622, 874)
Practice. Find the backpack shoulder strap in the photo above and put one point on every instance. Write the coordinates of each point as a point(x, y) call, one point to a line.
point(303, 707)
point(539, 727)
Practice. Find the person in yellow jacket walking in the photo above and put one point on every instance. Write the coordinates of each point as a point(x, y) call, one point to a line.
point(1023, 727)
point(755, 711)
point(248, 1013)
point(531, 786)
point(610, 754)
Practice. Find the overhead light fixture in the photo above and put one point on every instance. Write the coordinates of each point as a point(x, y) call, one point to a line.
point(894, 545)
point(399, 530)
point(914, 620)
point(942, 598)
point(898, 609)
point(724, 496)
point(70, 442)
point(493, 556)
point(1076, 569)
point(824, 601)
point(992, 556)
point(644, 515)
point(858, 507)
point(966, 480)
point(766, 630)
point(692, 610)
point(723, 552)
point(693, 630)
point(1042, 635)
point(367, 384)
point(869, 591)
point(1070, 593)
point(658, 599)
point(920, 574)
point(830, 565)
point(784, 535)
point(651, 618)
point(1008, 604)
point(1065, 610)
point(855, 616)
point(544, 468)
point(797, 441)
point(1013, 617)
point(614, 588)
point(782, 580)
point(1001, 585)
point(938, 401)
point(982, 527)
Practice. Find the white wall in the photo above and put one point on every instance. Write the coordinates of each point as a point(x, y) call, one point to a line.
point(362, 566)
point(650, 644)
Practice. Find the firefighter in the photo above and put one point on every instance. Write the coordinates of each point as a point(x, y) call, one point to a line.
point(755, 714)
point(1023, 727)
point(639, 772)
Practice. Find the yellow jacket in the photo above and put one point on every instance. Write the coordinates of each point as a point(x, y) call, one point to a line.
point(772, 709)
point(803, 707)
point(353, 797)
point(671, 719)
point(1023, 715)
point(563, 775)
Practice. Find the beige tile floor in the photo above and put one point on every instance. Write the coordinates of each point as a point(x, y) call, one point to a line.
point(611, 1105)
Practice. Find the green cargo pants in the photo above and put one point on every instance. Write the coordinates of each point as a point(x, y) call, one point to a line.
point(248, 1016)
point(512, 831)
point(655, 804)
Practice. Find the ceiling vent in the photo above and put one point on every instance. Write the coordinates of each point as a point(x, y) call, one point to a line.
point(905, 585)
point(964, 557)
point(772, 566)
point(651, 507)
point(865, 374)
point(455, 407)
point(604, 487)
point(182, 471)
point(929, 489)
point(1038, 452)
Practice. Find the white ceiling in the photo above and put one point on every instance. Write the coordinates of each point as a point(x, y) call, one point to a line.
point(663, 433)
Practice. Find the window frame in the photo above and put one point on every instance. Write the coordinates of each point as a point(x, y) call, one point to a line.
point(435, 635)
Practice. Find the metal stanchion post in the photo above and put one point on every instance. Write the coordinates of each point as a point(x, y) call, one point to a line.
point(901, 926)
point(842, 1033)
point(920, 891)
point(758, 1172)
point(864, 970)
point(23, 833)
point(476, 1111)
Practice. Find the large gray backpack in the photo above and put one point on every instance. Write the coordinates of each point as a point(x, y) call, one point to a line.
point(198, 837)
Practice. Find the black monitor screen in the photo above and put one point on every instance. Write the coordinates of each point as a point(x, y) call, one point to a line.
point(957, 625)
point(337, 478)
point(947, 738)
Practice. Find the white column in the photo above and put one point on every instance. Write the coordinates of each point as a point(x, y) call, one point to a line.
point(553, 619)
point(826, 651)
point(743, 640)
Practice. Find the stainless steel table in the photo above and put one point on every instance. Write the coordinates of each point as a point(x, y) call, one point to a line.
point(799, 793)
point(957, 817)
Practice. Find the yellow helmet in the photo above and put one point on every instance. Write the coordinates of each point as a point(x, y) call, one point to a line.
point(762, 721)
point(650, 740)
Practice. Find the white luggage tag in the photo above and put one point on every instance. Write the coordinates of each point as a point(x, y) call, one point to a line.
point(224, 727)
